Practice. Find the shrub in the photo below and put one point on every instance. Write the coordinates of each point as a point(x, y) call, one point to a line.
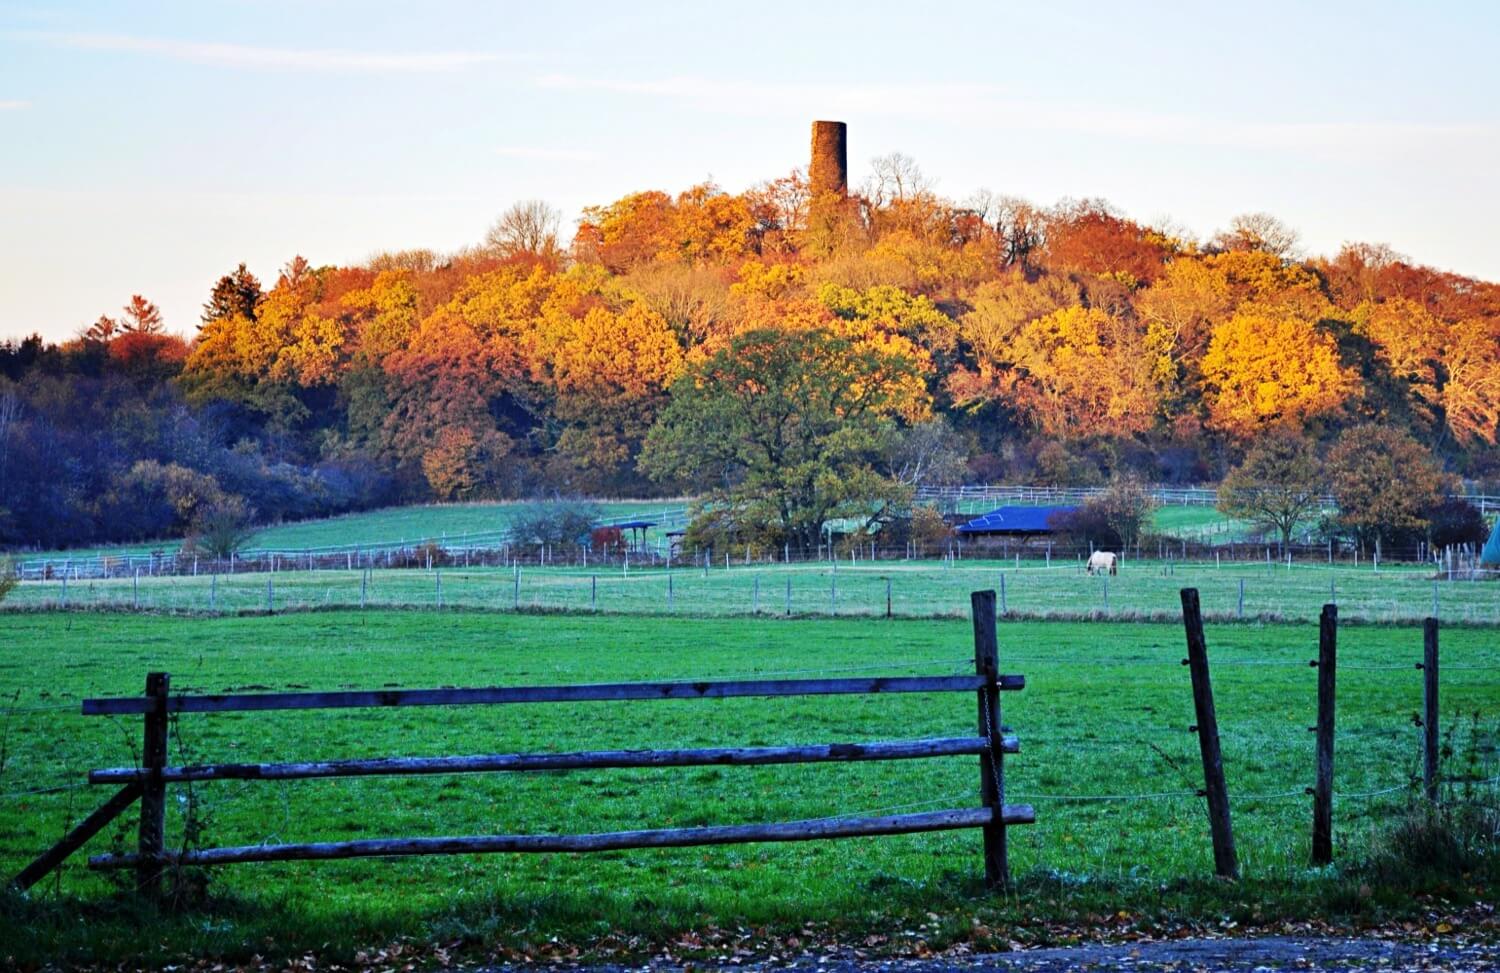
point(1126, 506)
point(1087, 528)
point(928, 528)
point(1456, 521)
point(556, 523)
point(8, 579)
point(220, 529)
point(430, 554)
point(606, 539)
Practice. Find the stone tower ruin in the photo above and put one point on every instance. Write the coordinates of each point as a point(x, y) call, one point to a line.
point(829, 170)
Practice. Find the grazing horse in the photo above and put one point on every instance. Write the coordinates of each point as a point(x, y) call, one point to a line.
point(1102, 561)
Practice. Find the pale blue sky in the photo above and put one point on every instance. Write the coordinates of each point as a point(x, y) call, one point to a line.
point(150, 147)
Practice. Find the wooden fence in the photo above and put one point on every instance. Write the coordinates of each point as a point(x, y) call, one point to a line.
point(148, 782)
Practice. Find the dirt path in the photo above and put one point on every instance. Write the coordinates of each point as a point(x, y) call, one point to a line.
point(1262, 955)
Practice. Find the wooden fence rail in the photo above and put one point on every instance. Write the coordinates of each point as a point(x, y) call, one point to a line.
point(148, 782)
point(597, 692)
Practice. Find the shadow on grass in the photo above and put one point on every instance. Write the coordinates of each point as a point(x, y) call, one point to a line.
point(886, 914)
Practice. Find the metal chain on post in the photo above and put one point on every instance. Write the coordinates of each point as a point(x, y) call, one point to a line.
point(991, 735)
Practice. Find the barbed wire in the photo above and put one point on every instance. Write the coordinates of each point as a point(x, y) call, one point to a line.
point(1085, 798)
point(1359, 795)
point(35, 791)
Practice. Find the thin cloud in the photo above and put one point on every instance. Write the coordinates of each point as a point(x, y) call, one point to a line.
point(14, 104)
point(994, 106)
point(545, 154)
point(273, 58)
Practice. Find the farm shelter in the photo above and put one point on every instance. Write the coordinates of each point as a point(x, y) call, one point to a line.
point(637, 530)
point(1490, 555)
point(1020, 522)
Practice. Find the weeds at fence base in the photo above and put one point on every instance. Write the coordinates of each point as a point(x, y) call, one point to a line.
point(1447, 843)
point(880, 918)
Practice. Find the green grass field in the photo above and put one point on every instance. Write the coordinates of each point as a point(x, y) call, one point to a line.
point(452, 520)
point(1106, 758)
point(390, 525)
point(917, 589)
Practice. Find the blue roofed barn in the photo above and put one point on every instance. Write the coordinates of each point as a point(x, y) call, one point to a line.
point(1015, 522)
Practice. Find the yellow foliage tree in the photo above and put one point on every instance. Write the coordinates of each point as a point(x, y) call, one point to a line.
point(1265, 369)
point(1082, 371)
point(1471, 381)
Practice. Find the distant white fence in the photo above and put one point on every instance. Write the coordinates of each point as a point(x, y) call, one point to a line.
point(458, 546)
point(958, 499)
point(962, 497)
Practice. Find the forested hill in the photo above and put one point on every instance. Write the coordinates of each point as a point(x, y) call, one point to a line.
point(1046, 345)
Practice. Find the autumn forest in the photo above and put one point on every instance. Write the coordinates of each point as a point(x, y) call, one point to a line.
point(992, 339)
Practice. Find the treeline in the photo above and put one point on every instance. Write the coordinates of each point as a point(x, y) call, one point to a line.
point(98, 443)
point(1063, 345)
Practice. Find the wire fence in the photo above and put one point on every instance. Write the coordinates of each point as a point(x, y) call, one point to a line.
point(973, 495)
point(1069, 762)
point(1034, 588)
point(658, 542)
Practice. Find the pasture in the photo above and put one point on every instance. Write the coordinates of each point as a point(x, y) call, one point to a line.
point(450, 523)
point(1032, 588)
point(1105, 756)
point(412, 524)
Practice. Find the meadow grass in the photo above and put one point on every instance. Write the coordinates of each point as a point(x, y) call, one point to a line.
point(414, 523)
point(1033, 589)
point(1104, 715)
point(388, 525)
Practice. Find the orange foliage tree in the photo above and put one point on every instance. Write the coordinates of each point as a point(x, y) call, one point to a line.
point(1264, 369)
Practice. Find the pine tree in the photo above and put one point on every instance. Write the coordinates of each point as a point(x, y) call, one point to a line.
point(235, 293)
point(141, 317)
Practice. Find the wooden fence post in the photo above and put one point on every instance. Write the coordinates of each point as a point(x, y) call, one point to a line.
point(75, 839)
point(152, 833)
point(991, 764)
point(1322, 834)
point(593, 592)
point(1430, 708)
point(1226, 863)
point(887, 597)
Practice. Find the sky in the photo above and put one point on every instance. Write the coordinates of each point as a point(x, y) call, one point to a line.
point(151, 147)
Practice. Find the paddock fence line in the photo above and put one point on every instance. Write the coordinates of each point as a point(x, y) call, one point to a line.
point(1191, 496)
point(1452, 562)
point(499, 544)
point(147, 782)
point(858, 587)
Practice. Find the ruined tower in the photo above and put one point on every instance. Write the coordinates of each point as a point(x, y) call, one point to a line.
point(829, 170)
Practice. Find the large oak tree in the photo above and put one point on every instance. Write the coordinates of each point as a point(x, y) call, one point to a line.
point(785, 431)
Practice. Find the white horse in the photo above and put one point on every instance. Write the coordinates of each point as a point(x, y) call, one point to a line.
point(1102, 562)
